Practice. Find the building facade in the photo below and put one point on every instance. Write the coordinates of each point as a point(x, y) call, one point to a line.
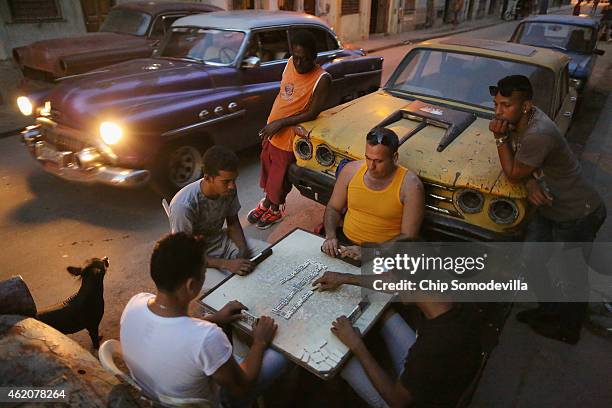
point(25, 21)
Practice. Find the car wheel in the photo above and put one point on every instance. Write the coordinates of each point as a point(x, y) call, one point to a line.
point(177, 167)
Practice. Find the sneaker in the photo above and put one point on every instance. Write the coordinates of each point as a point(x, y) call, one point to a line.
point(269, 219)
point(255, 215)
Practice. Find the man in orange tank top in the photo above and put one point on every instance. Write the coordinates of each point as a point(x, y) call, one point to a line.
point(385, 202)
point(303, 91)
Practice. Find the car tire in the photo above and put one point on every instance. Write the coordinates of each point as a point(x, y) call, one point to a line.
point(177, 166)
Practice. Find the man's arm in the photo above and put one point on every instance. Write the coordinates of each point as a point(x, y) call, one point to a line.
point(239, 379)
point(312, 110)
point(332, 280)
point(394, 393)
point(181, 218)
point(514, 170)
point(236, 234)
point(335, 205)
point(413, 199)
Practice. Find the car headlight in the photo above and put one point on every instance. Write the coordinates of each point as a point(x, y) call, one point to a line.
point(325, 156)
point(503, 211)
point(303, 148)
point(25, 106)
point(110, 132)
point(470, 201)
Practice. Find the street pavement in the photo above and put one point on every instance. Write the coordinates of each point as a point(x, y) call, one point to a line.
point(47, 224)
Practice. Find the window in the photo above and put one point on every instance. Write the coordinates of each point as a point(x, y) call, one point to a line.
point(162, 25)
point(286, 5)
point(34, 10)
point(350, 7)
point(324, 40)
point(269, 46)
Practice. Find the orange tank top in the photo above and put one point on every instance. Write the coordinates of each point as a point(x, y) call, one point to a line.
point(374, 215)
point(295, 92)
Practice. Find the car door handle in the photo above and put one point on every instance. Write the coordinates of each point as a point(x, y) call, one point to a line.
point(573, 99)
point(567, 114)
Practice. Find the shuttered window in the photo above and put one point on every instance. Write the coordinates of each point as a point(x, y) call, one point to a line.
point(350, 7)
point(34, 10)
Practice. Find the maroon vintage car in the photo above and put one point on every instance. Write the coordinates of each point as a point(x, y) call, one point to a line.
point(131, 30)
point(213, 81)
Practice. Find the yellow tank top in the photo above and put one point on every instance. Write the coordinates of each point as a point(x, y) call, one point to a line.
point(373, 215)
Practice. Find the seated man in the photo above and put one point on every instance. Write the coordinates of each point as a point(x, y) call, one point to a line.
point(172, 354)
point(202, 207)
point(431, 369)
point(385, 201)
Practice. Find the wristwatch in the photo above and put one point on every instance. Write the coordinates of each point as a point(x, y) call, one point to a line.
point(501, 140)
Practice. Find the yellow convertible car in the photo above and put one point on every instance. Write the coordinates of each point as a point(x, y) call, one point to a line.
point(438, 103)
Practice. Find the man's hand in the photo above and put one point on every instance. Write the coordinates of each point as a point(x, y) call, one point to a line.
point(264, 331)
point(270, 129)
point(228, 313)
point(238, 266)
point(330, 247)
point(329, 281)
point(352, 251)
point(500, 127)
point(537, 195)
point(344, 330)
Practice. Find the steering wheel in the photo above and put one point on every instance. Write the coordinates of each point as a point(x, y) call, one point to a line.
point(227, 55)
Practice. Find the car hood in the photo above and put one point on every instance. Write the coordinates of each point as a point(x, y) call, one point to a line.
point(121, 91)
point(469, 161)
point(44, 55)
point(579, 64)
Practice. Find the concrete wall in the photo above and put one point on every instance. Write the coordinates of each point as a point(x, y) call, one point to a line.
point(354, 27)
point(16, 34)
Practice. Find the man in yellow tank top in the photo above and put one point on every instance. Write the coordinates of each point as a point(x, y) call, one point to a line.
point(303, 91)
point(385, 202)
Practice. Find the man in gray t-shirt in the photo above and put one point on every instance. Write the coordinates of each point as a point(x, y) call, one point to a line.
point(532, 150)
point(204, 206)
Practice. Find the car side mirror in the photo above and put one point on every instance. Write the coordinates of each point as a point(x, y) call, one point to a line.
point(598, 51)
point(251, 62)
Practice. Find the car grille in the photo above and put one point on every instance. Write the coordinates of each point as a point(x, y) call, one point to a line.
point(64, 143)
point(439, 199)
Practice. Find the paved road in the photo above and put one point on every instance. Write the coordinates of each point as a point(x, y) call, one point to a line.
point(47, 224)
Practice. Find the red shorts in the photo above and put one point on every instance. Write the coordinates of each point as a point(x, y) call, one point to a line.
point(275, 163)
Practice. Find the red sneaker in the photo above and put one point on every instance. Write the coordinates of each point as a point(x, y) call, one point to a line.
point(255, 215)
point(270, 218)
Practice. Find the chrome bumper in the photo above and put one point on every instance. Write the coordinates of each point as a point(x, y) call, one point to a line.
point(82, 166)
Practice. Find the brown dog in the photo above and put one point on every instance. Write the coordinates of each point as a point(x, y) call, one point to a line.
point(84, 309)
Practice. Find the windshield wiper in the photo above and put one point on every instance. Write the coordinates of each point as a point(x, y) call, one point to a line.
point(192, 59)
point(553, 46)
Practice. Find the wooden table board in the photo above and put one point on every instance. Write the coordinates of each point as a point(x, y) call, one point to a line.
point(309, 328)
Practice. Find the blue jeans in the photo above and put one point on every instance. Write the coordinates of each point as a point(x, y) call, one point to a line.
point(273, 365)
point(578, 235)
point(398, 337)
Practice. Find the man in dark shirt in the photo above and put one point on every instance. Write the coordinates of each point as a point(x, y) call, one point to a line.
point(433, 367)
point(532, 150)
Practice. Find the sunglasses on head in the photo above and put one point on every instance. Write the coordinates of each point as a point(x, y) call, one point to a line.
point(378, 137)
point(505, 91)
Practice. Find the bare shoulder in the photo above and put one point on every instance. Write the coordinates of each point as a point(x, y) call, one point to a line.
point(412, 184)
point(351, 168)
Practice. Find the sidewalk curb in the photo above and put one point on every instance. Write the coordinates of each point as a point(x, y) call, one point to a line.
point(431, 36)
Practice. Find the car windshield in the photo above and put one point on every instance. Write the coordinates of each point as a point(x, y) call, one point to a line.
point(465, 77)
point(203, 44)
point(564, 37)
point(126, 22)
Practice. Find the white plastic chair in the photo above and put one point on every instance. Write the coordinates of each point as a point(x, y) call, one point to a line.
point(112, 348)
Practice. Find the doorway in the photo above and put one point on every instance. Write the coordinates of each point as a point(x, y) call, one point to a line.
point(378, 16)
point(94, 13)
